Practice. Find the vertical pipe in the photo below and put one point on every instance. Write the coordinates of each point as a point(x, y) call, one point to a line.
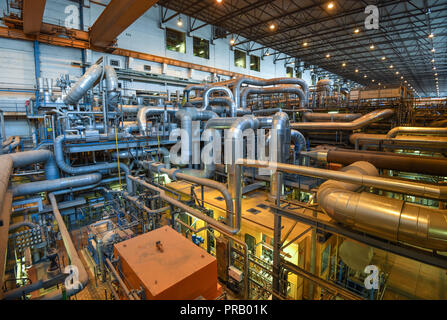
point(37, 69)
point(277, 241)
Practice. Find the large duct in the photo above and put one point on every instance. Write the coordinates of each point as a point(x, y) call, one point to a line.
point(359, 123)
point(10, 147)
point(24, 159)
point(111, 85)
point(80, 88)
point(414, 142)
point(225, 90)
point(416, 130)
point(387, 218)
point(271, 90)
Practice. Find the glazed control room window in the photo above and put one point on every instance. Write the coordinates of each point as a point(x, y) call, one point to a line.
point(240, 59)
point(201, 48)
point(175, 40)
point(255, 63)
point(289, 72)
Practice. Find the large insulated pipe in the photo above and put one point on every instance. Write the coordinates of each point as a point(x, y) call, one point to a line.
point(383, 160)
point(330, 117)
point(434, 142)
point(431, 191)
point(299, 140)
point(25, 189)
point(387, 218)
point(193, 87)
point(359, 123)
point(268, 82)
point(10, 148)
point(64, 166)
point(111, 85)
point(279, 148)
point(198, 214)
point(80, 88)
point(226, 91)
point(271, 90)
point(416, 130)
point(23, 159)
point(143, 113)
point(186, 116)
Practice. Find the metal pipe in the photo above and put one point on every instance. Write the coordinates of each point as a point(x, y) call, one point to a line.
point(359, 123)
point(271, 90)
point(72, 254)
point(268, 82)
point(111, 85)
point(405, 187)
point(363, 139)
point(129, 294)
point(225, 90)
point(67, 168)
point(12, 146)
point(383, 160)
point(143, 113)
point(415, 130)
point(330, 117)
point(192, 211)
point(26, 158)
point(80, 88)
point(387, 218)
point(55, 185)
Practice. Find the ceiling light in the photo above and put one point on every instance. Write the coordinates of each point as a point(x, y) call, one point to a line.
point(343, 64)
point(433, 60)
point(434, 68)
point(330, 5)
point(356, 70)
point(433, 50)
point(179, 22)
point(267, 53)
point(397, 72)
point(431, 35)
point(328, 55)
point(371, 47)
point(401, 77)
point(383, 58)
point(219, 1)
point(357, 30)
point(391, 66)
point(272, 26)
point(380, 84)
point(232, 41)
point(305, 44)
point(436, 74)
point(365, 76)
point(373, 80)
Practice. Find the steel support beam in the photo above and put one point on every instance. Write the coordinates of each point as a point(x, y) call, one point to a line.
point(32, 16)
point(116, 18)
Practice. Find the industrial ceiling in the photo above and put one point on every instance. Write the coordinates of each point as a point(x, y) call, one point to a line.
point(332, 35)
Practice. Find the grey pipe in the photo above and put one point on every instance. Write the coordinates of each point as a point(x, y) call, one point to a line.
point(415, 142)
point(193, 87)
point(13, 145)
point(269, 82)
point(23, 159)
point(143, 113)
point(271, 90)
point(111, 85)
point(84, 84)
point(58, 151)
point(359, 123)
point(387, 218)
point(54, 185)
point(225, 90)
point(299, 140)
point(330, 117)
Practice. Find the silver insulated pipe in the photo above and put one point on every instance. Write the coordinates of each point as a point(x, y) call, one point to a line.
point(80, 88)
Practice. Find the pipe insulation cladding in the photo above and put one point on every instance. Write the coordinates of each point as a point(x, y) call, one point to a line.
point(384, 217)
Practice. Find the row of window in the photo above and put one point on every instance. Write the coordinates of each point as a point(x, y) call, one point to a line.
point(176, 41)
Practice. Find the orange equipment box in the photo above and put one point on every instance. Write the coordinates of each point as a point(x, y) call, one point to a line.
point(168, 266)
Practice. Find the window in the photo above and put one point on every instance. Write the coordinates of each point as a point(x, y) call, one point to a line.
point(201, 48)
point(289, 71)
point(114, 63)
point(147, 67)
point(240, 59)
point(175, 40)
point(255, 63)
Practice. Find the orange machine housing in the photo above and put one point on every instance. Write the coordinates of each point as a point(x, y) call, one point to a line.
point(176, 269)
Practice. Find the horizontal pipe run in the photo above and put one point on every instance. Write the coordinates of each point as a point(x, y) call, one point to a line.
point(359, 123)
point(330, 117)
point(405, 187)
